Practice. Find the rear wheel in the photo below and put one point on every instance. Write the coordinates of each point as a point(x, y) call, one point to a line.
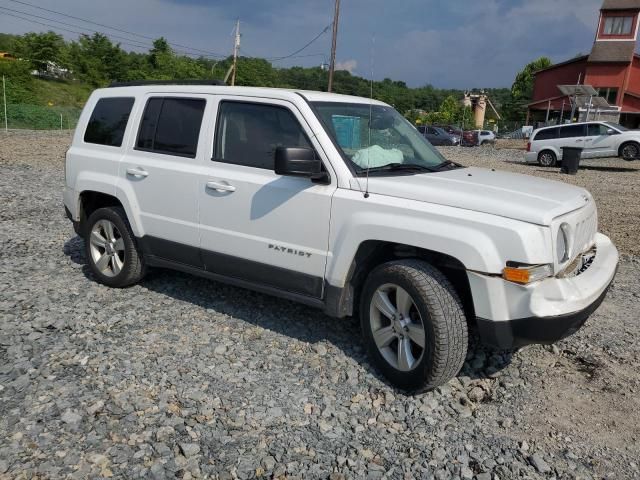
point(547, 159)
point(111, 250)
point(630, 151)
point(413, 324)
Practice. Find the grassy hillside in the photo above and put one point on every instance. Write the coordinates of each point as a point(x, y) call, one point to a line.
point(60, 93)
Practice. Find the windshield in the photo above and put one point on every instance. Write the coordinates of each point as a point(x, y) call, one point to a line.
point(617, 126)
point(375, 137)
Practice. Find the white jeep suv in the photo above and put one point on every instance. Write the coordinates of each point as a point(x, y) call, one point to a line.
point(339, 203)
point(597, 139)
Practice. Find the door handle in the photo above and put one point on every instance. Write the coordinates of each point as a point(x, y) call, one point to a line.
point(221, 186)
point(137, 172)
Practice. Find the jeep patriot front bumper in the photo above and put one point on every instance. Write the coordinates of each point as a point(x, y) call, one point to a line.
point(511, 316)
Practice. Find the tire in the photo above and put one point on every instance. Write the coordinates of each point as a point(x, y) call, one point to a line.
point(433, 305)
point(629, 151)
point(111, 250)
point(547, 158)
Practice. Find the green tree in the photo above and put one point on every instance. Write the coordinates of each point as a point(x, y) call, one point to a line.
point(96, 60)
point(40, 48)
point(522, 89)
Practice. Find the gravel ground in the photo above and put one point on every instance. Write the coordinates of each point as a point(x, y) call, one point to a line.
point(181, 377)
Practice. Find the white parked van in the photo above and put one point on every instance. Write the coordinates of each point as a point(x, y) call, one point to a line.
point(337, 202)
point(597, 139)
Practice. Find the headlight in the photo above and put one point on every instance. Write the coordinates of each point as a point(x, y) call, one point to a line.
point(563, 251)
point(524, 274)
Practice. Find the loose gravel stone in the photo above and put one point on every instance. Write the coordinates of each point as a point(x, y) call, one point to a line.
point(538, 461)
point(180, 377)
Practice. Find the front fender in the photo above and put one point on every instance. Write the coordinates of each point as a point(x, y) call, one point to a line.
point(481, 242)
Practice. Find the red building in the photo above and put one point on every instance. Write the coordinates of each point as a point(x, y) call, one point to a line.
point(612, 68)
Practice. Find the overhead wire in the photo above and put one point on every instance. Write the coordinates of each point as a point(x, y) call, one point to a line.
point(308, 44)
point(111, 27)
point(128, 41)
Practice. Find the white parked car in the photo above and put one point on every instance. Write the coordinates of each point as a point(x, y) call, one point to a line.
point(486, 137)
point(339, 203)
point(597, 139)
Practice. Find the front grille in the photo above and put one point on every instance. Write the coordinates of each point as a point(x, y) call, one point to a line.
point(585, 232)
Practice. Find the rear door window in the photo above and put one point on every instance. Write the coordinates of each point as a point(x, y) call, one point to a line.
point(171, 126)
point(109, 121)
point(548, 134)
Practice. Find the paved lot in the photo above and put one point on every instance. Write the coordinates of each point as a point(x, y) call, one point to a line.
point(184, 377)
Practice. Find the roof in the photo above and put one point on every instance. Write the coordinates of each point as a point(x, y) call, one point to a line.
point(621, 5)
point(562, 64)
point(612, 51)
point(268, 92)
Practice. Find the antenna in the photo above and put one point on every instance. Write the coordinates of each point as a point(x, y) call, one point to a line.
point(373, 44)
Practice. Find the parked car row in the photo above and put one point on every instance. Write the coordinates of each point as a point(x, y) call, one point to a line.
point(597, 139)
point(449, 135)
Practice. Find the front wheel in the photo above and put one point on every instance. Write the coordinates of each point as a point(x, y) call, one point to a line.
point(413, 324)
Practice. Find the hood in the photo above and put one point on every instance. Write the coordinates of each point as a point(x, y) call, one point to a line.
point(520, 197)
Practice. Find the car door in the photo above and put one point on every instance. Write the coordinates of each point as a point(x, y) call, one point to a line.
point(257, 226)
point(598, 142)
point(436, 138)
point(161, 173)
point(570, 136)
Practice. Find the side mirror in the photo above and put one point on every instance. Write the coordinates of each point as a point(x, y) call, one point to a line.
point(611, 131)
point(300, 162)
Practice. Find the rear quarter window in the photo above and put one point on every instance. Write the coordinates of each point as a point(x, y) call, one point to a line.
point(108, 121)
point(548, 134)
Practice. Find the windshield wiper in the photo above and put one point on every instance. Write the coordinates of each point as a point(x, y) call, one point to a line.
point(399, 167)
point(449, 164)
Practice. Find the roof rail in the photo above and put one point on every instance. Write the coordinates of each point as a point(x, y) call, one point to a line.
point(138, 83)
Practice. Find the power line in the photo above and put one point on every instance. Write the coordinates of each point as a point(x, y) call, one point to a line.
point(66, 24)
point(58, 28)
point(214, 54)
point(303, 48)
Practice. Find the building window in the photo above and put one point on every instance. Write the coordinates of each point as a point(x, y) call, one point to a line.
point(610, 94)
point(617, 26)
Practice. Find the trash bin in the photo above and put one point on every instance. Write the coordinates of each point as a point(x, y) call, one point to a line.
point(570, 160)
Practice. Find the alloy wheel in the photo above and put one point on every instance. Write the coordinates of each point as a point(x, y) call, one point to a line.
point(630, 152)
point(546, 159)
point(107, 248)
point(397, 327)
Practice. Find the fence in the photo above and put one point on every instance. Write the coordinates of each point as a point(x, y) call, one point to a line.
point(37, 117)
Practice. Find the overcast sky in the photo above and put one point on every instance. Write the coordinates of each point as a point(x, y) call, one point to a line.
point(447, 43)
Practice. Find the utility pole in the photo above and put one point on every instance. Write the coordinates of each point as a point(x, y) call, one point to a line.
point(4, 97)
point(332, 63)
point(236, 47)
